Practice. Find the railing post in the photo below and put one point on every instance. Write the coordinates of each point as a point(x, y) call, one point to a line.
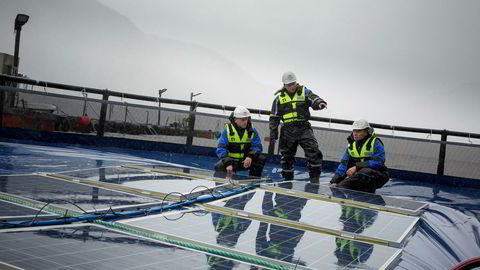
point(2, 101)
point(442, 153)
point(103, 114)
point(191, 124)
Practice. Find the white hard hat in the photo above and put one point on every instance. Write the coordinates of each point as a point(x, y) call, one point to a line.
point(241, 112)
point(360, 124)
point(288, 77)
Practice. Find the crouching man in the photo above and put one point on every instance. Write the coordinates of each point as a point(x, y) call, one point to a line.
point(239, 146)
point(362, 167)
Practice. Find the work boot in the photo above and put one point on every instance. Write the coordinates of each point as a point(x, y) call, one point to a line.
point(315, 177)
point(287, 175)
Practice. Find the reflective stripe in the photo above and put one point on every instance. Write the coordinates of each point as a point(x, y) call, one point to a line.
point(236, 155)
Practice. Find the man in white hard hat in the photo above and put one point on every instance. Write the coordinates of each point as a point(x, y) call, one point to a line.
point(291, 106)
point(239, 146)
point(362, 167)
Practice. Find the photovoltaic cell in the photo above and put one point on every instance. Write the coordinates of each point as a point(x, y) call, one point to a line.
point(367, 199)
point(296, 248)
point(67, 195)
point(367, 223)
point(134, 178)
point(191, 172)
point(92, 247)
point(8, 209)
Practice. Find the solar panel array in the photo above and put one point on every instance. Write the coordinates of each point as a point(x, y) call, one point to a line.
point(68, 195)
point(367, 224)
point(9, 211)
point(347, 196)
point(94, 247)
point(288, 245)
point(283, 225)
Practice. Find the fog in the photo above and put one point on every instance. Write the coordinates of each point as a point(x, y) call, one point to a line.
point(409, 63)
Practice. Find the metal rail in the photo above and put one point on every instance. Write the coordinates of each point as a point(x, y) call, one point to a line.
point(193, 105)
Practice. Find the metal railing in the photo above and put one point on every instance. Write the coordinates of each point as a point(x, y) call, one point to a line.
point(5, 80)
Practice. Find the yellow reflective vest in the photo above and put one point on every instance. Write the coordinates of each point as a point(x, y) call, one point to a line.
point(237, 147)
point(365, 153)
point(293, 107)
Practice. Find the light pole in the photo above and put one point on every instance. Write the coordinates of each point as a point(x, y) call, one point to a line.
point(160, 92)
point(20, 20)
point(192, 95)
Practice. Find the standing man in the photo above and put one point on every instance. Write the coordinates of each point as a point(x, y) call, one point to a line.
point(363, 164)
point(239, 146)
point(291, 105)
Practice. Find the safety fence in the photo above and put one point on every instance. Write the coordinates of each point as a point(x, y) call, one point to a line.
point(48, 106)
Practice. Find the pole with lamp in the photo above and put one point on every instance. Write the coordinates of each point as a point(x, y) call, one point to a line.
point(160, 92)
point(20, 20)
point(191, 119)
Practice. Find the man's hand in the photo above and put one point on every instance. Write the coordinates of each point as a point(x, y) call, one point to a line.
point(319, 104)
point(322, 105)
point(335, 179)
point(230, 171)
point(352, 171)
point(247, 162)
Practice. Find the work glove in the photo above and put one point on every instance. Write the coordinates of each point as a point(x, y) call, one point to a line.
point(336, 179)
point(319, 104)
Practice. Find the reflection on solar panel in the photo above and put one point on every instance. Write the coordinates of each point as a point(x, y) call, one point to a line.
point(68, 195)
point(151, 184)
point(295, 248)
point(93, 247)
point(194, 173)
point(11, 211)
point(347, 196)
point(343, 220)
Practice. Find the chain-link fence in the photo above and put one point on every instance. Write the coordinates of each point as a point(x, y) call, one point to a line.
point(50, 109)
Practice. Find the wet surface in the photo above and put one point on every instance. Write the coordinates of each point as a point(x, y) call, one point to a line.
point(316, 250)
point(152, 181)
point(8, 209)
point(89, 247)
point(443, 237)
point(366, 222)
point(387, 202)
point(67, 194)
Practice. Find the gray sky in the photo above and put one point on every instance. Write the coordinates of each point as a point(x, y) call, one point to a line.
point(409, 62)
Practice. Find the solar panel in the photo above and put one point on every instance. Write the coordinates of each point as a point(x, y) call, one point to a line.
point(135, 181)
point(352, 197)
point(343, 220)
point(12, 211)
point(93, 247)
point(69, 195)
point(295, 248)
point(194, 173)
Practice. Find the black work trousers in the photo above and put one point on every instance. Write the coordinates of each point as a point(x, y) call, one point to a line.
point(292, 135)
point(367, 180)
point(255, 169)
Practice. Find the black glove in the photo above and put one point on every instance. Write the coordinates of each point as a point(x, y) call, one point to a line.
point(319, 104)
point(336, 179)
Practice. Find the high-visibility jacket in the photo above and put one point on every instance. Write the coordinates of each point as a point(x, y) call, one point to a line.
point(365, 152)
point(237, 147)
point(293, 108)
